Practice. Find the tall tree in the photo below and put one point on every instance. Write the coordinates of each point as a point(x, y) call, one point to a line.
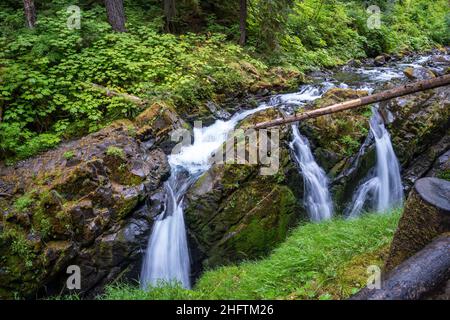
point(243, 22)
point(30, 13)
point(170, 12)
point(116, 14)
point(271, 17)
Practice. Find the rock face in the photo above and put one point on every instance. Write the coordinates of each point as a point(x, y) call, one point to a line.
point(419, 130)
point(79, 205)
point(234, 213)
point(337, 140)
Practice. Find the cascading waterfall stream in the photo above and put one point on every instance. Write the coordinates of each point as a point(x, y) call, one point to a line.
point(384, 190)
point(317, 197)
point(167, 256)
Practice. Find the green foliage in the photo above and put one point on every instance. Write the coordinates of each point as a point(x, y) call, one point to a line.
point(69, 155)
point(21, 249)
point(303, 267)
point(115, 152)
point(163, 291)
point(23, 202)
point(444, 174)
point(47, 75)
point(350, 145)
point(330, 32)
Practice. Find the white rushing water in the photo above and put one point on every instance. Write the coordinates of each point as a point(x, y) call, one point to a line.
point(317, 198)
point(384, 190)
point(167, 256)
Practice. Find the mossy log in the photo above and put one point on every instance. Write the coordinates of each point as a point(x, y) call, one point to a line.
point(426, 216)
point(421, 274)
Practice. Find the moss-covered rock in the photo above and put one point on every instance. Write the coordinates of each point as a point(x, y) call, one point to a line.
point(64, 210)
point(419, 121)
point(337, 136)
point(234, 213)
point(336, 140)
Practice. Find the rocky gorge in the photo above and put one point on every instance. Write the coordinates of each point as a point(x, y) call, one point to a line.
point(93, 202)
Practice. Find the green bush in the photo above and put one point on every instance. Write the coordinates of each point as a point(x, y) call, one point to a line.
point(47, 75)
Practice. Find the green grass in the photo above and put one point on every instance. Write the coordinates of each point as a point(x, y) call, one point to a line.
point(317, 261)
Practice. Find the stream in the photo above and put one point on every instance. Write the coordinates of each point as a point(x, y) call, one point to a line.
point(167, 256)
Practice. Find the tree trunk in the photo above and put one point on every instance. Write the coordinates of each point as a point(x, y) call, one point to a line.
point(421, 275)
point(116, 14)
point(243, 22)
point(426, 216)
point(356, 103)
point(170, 13)
point(30, 13)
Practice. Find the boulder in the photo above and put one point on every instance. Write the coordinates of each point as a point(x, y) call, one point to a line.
point(235, 213)
point(418, 73)
point(419, 130)
point(89, 203)
point(380, 60)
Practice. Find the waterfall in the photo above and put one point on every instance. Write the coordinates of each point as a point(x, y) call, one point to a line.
point(382, 190)
point(317, 198)
point(167, 256)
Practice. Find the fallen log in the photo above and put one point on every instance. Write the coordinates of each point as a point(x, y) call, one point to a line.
point(421, 274)
point(112, 93)
point(356, 103)
point(426, 216)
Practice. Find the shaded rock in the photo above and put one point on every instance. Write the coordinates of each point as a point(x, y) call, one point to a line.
point(441, 167)
point(432, 162)
point(218, 112)
point(380, 60)
point(418, 73)
point(234, 213)
point(418, 122)
point(82, 214)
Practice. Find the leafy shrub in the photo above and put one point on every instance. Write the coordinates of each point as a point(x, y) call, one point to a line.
point(23, 202)
point(47, 76)
point(115, 152)
point(69, 155)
